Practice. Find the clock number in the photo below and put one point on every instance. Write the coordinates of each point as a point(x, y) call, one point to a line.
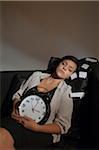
point(32, 98)
point(44, 107)
point(23, 105)
point(22, 110)
point(44, 113)
point(27, 101)
point(37, 98)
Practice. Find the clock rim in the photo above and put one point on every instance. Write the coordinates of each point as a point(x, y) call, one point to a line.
point(47, 105)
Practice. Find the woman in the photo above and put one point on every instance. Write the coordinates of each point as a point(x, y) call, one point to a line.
point(23, 131)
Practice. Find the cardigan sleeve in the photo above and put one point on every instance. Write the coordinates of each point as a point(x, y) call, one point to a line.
point(64, 114)
point(25, 85)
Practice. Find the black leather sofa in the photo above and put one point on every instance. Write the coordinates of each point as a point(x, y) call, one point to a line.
point(84, 131)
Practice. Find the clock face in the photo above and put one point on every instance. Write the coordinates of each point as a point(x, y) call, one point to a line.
point(33, 106)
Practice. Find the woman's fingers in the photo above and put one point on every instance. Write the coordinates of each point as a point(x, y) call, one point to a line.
point(16, 112)
point(27, 118)
point(15, 115)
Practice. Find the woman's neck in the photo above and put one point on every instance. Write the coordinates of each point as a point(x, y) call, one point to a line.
point(52, 80)
point(48, 83)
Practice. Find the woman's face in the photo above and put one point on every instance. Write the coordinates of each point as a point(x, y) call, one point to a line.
point(65, 69)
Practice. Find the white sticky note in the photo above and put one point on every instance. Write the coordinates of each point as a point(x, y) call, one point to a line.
point(91, 59)
point(85, 66)
point(73, 76)
point(77, 94)
point(82, 74)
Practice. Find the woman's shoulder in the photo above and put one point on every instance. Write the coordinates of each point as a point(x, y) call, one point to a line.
point(66, 86)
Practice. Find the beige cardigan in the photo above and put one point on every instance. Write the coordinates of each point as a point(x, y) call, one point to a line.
point(61, 103)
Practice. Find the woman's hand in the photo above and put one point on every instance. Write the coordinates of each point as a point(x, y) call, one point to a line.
point(29, 123)
point(15, 114)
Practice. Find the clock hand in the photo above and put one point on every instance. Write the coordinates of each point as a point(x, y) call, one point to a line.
point(32, 107)
point(36, 104)
point(36, 110)
point(33, 110)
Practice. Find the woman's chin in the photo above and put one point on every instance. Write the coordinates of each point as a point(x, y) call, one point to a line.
point(60, 76)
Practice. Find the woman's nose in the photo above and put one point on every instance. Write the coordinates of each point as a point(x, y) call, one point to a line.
point(65, 67)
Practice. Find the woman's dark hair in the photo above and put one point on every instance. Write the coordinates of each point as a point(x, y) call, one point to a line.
point(69, 57)
point(54, 62)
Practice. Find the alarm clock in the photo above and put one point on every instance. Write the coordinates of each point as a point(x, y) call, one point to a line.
point(35, 105)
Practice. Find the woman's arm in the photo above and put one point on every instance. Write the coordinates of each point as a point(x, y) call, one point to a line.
point(26, 84)
point(15, 113)
point(52, 128)
point(64, 114)
point(16, 99)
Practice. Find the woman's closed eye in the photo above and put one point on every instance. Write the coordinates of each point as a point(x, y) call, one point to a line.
point(64, 64)
point(70, 70)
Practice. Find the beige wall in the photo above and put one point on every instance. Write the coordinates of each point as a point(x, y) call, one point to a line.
point(34, 31)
